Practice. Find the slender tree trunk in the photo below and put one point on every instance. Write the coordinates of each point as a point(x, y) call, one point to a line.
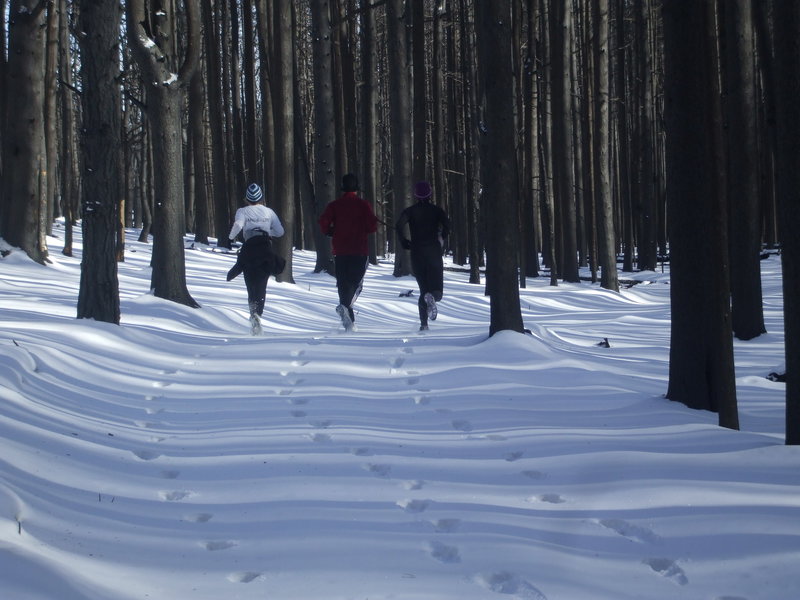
point(606, 238)
point(324, 135)
point(743, 188)
point(283, 100)
point(400, 108)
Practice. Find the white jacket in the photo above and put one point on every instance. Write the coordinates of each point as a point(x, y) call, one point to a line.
point(254, 219)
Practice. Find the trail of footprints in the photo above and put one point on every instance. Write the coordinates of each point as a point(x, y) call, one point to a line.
point(500, 582)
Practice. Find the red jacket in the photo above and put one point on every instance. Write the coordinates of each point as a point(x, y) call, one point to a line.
point(349, 219)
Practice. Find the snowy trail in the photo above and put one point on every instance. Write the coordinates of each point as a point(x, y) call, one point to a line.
point(176, 456)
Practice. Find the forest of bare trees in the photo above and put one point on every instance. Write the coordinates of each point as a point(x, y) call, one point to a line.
point(562, 137)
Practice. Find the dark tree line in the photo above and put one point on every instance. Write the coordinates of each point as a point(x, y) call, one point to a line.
point(562, 137)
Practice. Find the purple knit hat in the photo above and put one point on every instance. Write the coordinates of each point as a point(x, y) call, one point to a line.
point(422, 190)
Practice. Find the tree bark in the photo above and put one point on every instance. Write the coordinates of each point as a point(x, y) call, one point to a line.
point(498, 165)
point(98, 297)
point(701, 373)
point(165, 97)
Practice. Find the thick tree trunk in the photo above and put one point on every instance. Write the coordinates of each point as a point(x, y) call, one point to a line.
point(787, 66)
point(98, 297)
point(24, 149)
point(498, 165)
point(701, 373)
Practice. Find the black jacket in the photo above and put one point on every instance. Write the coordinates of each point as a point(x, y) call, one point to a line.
point(256, 253)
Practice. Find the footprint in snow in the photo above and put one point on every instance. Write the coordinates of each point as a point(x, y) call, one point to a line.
point(144, 424)
point(421, 400)
point(153, 411)
point(629, 530)
point(461, 425)
point(397, 362)
point(667, 568)
point(413, 484)
point(361, 451)
point(299, 363)
point(444, 553)
point(536, 475)
point(218, 545)
point(321, 424)
point(146, 454)
point(173, 496)
point(296, 353)
point(511, 584)
point(413, 506)
point(377, 469)
point(297, 401)
point(170, 474)
point(198, 518)
point(298, 413)
point(243, 576)
point(161, 384)
point(512, 456)
point(548, 498)
point(412, 380)
point(320, 438)
point(446, 525)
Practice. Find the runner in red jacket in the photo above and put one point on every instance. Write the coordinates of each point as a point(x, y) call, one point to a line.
point(349, 220)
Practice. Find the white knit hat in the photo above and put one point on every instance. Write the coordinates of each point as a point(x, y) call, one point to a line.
point(254, 193)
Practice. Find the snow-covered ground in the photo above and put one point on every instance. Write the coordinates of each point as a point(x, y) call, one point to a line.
point(176, 457)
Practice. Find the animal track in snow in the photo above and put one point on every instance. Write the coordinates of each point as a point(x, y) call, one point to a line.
point(361, 451)
point(512, 456)
point(153, 411)
point(511, 584)
point(170, 474)
point(667, 568)
point(412, 380)
point(413, 484)
point(296, 353)
point(537, 475)
point(300, 363)
point(321, 424)
point(413, 506)
point(461, 425)
point(421, 400)
point(444, 553)
point(397, 362)
point(298, 413)
point(320, 438)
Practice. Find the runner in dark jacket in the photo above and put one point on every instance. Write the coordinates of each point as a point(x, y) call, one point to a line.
point(349, 220)
point(429, 226)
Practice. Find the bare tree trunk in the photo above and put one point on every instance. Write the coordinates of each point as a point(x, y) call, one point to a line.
point(324, 136)
point(787, 64)
point(419, 75)
point(399, 108)
point(24, 150)
point(369, 120)
point(165, 96)
point(98, 297)
point(498, 165)
point(283, 100)
point(701, 373)
point(743, 189)
point(606, 238)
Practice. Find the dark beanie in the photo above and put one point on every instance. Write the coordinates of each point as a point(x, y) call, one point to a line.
point(350, 183)
point(422, 190)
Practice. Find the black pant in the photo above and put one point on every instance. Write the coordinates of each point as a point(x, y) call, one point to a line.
point(429, 273)
point(255, 279)
point(350, 271)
